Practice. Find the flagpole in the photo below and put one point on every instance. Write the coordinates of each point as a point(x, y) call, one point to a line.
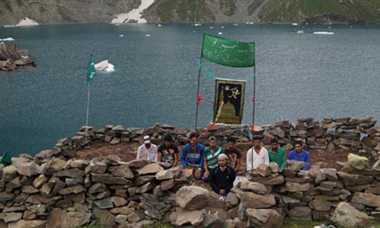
point(254, 97)
point(197, 100)
point(90, 76)
point(88, 108)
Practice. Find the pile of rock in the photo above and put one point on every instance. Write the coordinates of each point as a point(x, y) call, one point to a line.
point(328, 135)
point(11, 57)
point(348, 135)
point(75, 192)
point(47, 189)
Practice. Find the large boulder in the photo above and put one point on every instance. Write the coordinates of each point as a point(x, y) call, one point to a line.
point(297, 187)
point(26, 167)
point(253, 187)
point(346, 215)
point(357, 162)
point(300, 213)
point(266, 218)
point(150, 169)
point(367, 199)
point(321, 205)
point(194, 218)
point(167, 174)
point(97, 166)
point(11, 217)
point(122, 170)
point(39, 181)
point(193, 197)
point(253, 200)
point(9, 172)
point(138, 164)
point(28, 224)
point(109, 179)
point(46, 154)
point(354, 179)
point(75, 217)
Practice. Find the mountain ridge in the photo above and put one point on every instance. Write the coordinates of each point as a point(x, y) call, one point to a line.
point(194, 11)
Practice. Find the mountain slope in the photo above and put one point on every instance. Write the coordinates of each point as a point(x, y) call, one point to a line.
point(191, 11)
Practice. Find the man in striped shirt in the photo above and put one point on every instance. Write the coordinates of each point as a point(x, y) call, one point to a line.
point(211, 154)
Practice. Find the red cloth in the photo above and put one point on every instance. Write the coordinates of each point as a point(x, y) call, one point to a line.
point(199, 99)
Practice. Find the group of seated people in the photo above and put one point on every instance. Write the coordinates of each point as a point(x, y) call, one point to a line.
point(219, 165)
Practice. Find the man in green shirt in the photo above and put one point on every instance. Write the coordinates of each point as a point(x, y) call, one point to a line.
point(277, 154)
point(211, 155)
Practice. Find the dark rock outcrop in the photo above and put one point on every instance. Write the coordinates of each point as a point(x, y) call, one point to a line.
point(11, 57)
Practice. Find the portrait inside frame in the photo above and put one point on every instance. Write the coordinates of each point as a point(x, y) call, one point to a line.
point(229, 101)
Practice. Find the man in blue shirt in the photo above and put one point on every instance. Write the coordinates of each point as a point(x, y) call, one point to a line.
point(192, 156)
point(299, 154)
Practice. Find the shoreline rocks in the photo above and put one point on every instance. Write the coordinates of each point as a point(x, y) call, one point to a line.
point(12, 58)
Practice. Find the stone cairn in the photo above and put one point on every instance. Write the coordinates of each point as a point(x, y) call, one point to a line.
point(53, 189)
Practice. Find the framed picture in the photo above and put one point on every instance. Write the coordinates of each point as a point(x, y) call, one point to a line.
point(229, 101)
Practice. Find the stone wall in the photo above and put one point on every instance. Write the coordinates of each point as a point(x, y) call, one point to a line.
point(328, 136)
point(56, 189)
point(50, 190)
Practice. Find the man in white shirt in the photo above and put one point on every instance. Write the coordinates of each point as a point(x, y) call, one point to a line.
point(147, 151)
point(257, 155)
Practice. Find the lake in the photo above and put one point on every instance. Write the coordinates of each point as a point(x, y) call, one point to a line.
point(298, 75)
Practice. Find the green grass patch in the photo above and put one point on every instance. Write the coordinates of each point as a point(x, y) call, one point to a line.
point(292, 223)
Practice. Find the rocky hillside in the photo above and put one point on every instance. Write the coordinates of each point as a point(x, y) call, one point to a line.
point(262, 11)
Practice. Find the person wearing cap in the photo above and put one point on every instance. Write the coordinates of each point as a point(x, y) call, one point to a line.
point(192, 156)
point(257, 155)
point(299, 154)
point(233, 154)
point(168, 152)
point(222, 178)
point(277, 154)
point(211, 155)
point(147, 151)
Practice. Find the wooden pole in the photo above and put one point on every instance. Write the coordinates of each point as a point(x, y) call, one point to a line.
point(197, 100)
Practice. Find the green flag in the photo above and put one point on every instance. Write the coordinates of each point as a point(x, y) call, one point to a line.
point(228, 52)
point(91, 69)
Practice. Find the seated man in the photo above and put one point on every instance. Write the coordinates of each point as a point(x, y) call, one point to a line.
point(211, 155)
point(192, 156)
point(222, 178)
point(277, 154)
point(233, 154)
point(147, 151)
point(299, 154)
point(257, 155)
point(168, 152)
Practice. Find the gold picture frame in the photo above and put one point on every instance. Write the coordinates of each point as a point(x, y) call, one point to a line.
point(229, 101)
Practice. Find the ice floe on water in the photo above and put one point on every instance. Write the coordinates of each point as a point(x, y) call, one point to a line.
point(323, 33)
point(300, 32)
point(134, 15)
point(197, 25)
point(148, 35)
point(104, 67)
point(220, 33)
point(7, 39)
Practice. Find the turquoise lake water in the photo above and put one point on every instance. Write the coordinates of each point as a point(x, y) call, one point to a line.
point(298, 75)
